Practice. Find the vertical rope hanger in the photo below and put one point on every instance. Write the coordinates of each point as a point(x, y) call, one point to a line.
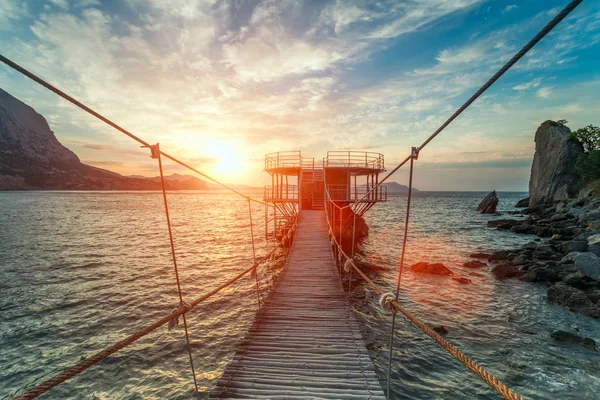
point(255, 270)
point(414, 155)
point(155, 153)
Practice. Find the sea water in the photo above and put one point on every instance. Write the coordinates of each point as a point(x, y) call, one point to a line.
point(80, 271)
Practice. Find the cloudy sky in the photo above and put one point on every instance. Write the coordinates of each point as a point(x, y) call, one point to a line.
point(221, 83)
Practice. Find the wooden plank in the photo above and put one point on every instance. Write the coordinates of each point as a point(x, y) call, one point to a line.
point(305, 343)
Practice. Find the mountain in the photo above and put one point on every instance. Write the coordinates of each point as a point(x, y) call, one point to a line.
point(395, 187)
point(31, 157)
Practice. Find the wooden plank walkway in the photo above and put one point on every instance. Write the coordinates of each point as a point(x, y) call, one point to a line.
point(305, 343)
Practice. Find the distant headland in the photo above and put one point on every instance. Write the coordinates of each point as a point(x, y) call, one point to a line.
point(32, 158)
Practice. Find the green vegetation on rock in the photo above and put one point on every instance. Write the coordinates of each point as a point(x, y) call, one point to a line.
point(588, 163)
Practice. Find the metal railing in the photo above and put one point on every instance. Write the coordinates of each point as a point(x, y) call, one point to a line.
point(354, 159)
point(283, 159)
point(280, 193)
point(308, 163)
point(360, 193)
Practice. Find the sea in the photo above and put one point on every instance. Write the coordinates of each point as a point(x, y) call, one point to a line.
point(80, 271)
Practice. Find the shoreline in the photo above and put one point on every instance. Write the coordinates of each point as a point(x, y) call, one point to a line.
point(565, 256)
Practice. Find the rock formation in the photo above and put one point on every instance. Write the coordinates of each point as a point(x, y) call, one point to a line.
point(31, 157)
point(433, 269)
point(553, 175)
point(488, 204)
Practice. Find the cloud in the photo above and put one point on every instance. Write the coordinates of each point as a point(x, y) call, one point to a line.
point(508, 8)
point(10, 12)
point(275, 75)
point(544, 92)
point(62, 4)
point(528, 85)
point(497, 163)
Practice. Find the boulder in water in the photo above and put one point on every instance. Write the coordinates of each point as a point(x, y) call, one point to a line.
point(572, 338)
point(488, 204)
point(574, 299)
point(522, 203)
point(476, 274)
point(479, 255)
point(434, 269)
point(505, 269)
point(462, 280)
point(441, 329)
point(498, 256)
point(587, 262)
point(553, 176)
point(474, 264)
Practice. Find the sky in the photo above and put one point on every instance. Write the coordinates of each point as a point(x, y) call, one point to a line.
point(221, 83)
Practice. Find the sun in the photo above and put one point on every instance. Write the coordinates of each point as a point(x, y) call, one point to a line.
point(228, 158)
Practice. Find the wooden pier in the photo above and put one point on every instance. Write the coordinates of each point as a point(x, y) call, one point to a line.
point(305, 342)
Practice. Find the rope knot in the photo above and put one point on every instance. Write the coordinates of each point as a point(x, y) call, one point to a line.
point(175, 320)
point(385, 302)
point(414, 153)
point(339, 254)
point(348, 265)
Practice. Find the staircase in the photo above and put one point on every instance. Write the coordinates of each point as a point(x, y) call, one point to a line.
point(313, 191)
point(319, 192)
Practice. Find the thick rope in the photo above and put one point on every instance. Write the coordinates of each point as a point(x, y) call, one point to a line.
point(85, 108)
point(96, 358)
point(487, 377)
point(541, 34)
point(156, 154)
point(404, 240)
point(255, 272)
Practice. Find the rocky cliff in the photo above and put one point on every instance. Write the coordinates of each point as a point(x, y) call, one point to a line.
point(31, 157)
point(553, 175)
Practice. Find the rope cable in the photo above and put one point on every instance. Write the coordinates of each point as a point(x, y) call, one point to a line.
point(92, 360)
point(255, 272)
point(72, 100)
point(404, 240)
point(524, 50)
point(181, 302)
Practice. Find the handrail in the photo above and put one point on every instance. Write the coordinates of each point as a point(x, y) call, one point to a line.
point(354, 159)
point(90, 361)
point(355, 193)
point(283, 159)
point(329, 162)
point(487, 377)
point(280, 192)
point(524, 50)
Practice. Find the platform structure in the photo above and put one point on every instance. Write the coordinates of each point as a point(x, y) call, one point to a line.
point(350, 177)
point(282, 195)
point(300, 183)
point(305, 342)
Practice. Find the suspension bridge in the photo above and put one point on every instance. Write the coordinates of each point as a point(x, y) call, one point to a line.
point(305, 342)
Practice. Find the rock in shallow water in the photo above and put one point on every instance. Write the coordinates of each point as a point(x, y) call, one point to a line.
point(434, 269)
point(479, 255)
point(505, 270)
point(588, 263)
point(498, 256)
point(462, 280)
point(441, 329)
point(574, 299)
point(523, 203)
point(571, 338)
point(488, 204)
point(474, 264)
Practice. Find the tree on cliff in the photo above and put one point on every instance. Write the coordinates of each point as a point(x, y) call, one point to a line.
point(588, 163)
